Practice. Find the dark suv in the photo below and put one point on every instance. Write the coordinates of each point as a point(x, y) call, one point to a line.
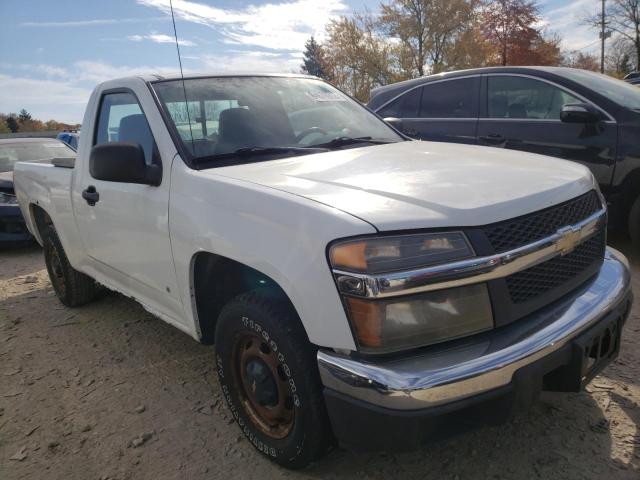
point(563, 112)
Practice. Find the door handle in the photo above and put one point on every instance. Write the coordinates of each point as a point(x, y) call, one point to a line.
point(91, 195)
point(494, 138)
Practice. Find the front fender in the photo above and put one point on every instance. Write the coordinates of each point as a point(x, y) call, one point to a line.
point(278, 234)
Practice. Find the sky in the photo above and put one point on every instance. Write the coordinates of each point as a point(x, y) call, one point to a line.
point(53, 53)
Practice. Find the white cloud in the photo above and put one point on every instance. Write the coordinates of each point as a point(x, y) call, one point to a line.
point(161, 38)
point(45, 99)
point(254, 53)
point(568, 21)
point(94, 72)
point(278, 26)
point(46, 70)
point(63, 93)
point(92, 22)
point(250, 62)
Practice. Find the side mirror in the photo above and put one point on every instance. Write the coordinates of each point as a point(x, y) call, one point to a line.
point(394, 122)
point(123, 162)
point(579, 113)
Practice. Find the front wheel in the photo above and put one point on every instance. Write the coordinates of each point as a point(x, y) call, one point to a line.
point(270, 381)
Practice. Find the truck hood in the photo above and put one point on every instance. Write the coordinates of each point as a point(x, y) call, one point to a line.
point(419, 184)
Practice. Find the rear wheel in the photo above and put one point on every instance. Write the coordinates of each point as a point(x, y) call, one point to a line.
point(270, 381)
point(634, 222)
point(72, 287)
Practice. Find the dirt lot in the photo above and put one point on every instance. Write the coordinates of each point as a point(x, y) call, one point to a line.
point(108, 391)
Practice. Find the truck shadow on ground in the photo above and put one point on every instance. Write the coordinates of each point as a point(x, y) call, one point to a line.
point(97, 366)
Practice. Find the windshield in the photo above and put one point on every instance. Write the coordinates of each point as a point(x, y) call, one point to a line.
point(616, 90)
point(226, 114)
point(10, 153)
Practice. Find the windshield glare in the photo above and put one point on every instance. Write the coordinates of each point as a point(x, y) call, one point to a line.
point(10, 153)
point(617, 91)
point(229, 113)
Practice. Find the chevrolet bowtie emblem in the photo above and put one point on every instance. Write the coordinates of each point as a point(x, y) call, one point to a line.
point(569, 238)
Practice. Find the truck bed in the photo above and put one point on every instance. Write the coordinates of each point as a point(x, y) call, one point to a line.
point(46, 185)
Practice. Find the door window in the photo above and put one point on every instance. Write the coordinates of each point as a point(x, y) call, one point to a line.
point(406, 106)
point(522, 97)
point(121, 120)
point(450, 99)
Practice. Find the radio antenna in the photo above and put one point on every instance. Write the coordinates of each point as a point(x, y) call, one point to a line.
point(184, 88)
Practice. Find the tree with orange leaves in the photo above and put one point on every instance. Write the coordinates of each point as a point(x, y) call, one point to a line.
point(511, 29)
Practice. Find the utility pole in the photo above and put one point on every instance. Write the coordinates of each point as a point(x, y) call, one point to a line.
point(604, 34)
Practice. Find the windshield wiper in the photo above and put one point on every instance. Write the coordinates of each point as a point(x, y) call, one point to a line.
point(342, 141)
point(258, 150)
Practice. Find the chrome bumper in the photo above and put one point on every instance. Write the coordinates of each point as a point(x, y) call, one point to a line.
point(447, 373)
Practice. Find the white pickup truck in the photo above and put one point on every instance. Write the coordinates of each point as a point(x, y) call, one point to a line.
point(359, 286)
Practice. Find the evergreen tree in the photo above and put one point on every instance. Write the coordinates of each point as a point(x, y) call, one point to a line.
point(12, 123)
point(24, 116)
point(313, 63)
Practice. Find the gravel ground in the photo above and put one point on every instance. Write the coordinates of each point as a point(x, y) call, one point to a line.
point(109, 391)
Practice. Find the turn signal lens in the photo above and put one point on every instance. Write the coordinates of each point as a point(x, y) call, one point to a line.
point(388, 254)
point(366, 317)
point(350, 256)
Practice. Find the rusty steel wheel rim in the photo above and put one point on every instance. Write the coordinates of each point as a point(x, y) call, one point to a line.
point(263, 386)
point(56, 269)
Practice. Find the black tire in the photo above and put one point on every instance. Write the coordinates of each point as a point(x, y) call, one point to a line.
point(278, 329)
point(72, 287)
point(634, 222)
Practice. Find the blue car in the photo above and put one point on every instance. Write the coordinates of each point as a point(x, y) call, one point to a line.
point(13, 230)
point(71, 138)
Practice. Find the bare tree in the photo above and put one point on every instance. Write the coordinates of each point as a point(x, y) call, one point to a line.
point(623, 18)
point(584, 61)
point(618, 61)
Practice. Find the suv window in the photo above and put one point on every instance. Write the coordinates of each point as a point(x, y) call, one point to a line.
point(406, 106)
point(450, 99)
point(521, 97)
point(121, 120)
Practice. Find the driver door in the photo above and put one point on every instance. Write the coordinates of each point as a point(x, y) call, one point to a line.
point(126, 232)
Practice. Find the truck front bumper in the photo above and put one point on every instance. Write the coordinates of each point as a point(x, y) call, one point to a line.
point(398, 403)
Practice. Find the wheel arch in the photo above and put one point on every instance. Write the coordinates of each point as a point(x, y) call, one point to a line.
point(216, 279)
point(40, 220)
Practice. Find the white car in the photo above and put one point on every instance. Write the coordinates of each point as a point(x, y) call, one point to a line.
point(359, 286)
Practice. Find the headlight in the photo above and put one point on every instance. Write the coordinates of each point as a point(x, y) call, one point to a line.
point(406, 321)
point(8, 199)
point(388, 254)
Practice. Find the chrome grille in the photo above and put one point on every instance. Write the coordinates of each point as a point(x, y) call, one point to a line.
point(520, 231)
point(545, 277)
